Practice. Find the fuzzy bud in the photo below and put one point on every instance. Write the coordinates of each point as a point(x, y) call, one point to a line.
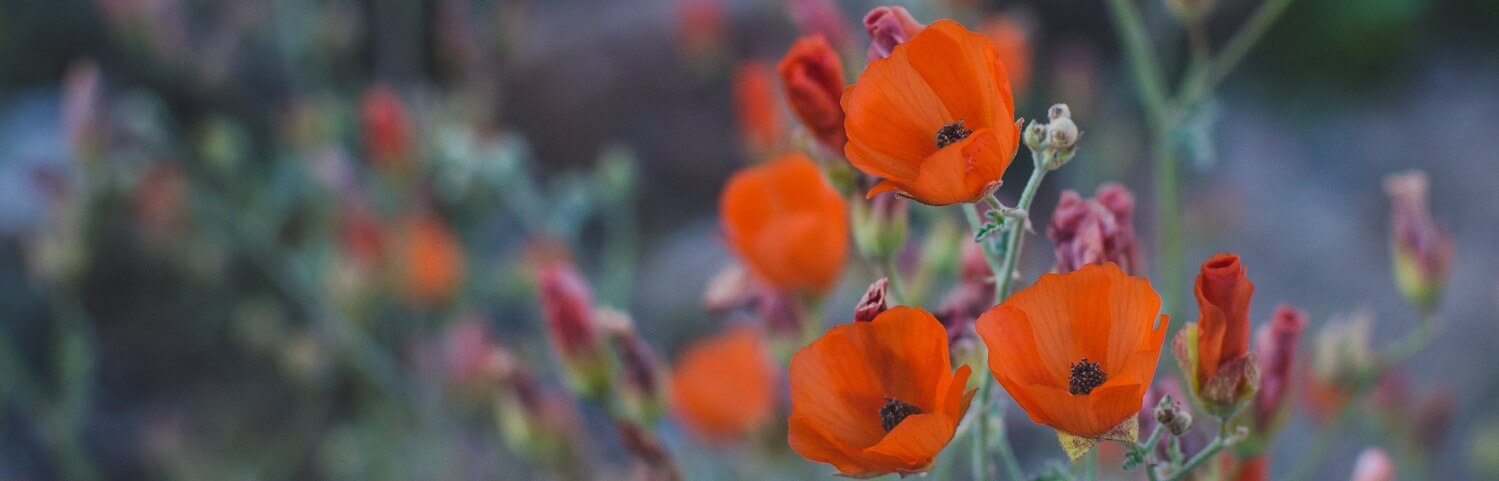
point(1275, 345)
point(1421, 252)
point(888, 27)
point(567, 306)
point(1061, 133)
point(1059, 111)
point(874, 301)
point(1170, 414)
point(1035, 135)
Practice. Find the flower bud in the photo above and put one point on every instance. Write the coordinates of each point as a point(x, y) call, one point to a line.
point(1061, 133)
point(888, 27)
point(388, 134)
point(874, 301)
point(1342, 359)
point(567, 306)
point(812, 77)
point(879, 225)
point(1035, 135)
point(1421, 252)
point(1059, 111)
point(640, 383)
point(1095, 231)
point(1173, 417)
point(1214, 351)
point(1373, 464)
point(760, 123)
point(1275, 345)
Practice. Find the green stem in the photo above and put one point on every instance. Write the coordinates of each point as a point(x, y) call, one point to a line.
point(1414, 342)
point(1147, 70)
point(897, 283)
point(1244, 40)
point(1006, 451)
point(981, 436)
point(974, 223)
point(1015, 232)
point(1207, 453)
point(1090, 465)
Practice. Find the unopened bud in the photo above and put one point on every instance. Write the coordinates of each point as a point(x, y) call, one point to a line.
point(874, 301)
point(1061, 133)
point(1170, 414)
point(888, 27)
point(1035, 135)
point(640, 392)
point(1059, 111)
point(1420, 250)
point(567, 305)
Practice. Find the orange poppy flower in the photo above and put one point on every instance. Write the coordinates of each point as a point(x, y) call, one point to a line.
point(755, 102)
point(432, 264)
point(877, 397)
point(788, 225)
point(723, 387)
point(1078, 351)
point(935, 119)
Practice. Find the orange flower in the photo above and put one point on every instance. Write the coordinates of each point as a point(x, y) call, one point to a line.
point(755, 105)
point(1214, 351)
point(724, 387)
point(388, 136)
point(1078, 351)
point(877, 397)
point(432, 264)
point(812, 75)
point(935, 119)
point(787, 224)
point(1012, 44)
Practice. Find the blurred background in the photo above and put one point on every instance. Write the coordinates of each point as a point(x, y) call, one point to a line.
point(257, 239)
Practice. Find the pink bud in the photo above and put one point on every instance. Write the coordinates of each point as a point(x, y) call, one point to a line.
point(874, 301)
point(1095, 231)
point(888, 27)
point(1373, 464)
point(1422, 252)
point(1275, 345)
point(567, 305)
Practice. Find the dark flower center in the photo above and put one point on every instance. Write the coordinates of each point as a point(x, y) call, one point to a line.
point(950, 133)
point(895, 411)
point(1085, 376)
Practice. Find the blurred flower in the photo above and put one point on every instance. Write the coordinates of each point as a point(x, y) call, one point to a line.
point(431, 262)
point(1012, 43)
point(567, 306)
point(1373, 464)
point(788, 226)
point(951, 142)
point(819, 17)
point(723, 387)
point(1342, 359)
point(1109, 346)
point(877, 397)
point(812, 77)
point(760, 122)
point(83, 119)
point(389, 137)
point(1421, 252)
point(159, 202)
point(880, 225)
point(359, 232)
point(700, 27)
point(731, 288)
point(539, 422)
point(471, 357)
point(888, 27)
point(874, 301)
point(1275, 345)
point(1095, 231)
point(1253, 469)
point(639, 368)
point(1214, 351)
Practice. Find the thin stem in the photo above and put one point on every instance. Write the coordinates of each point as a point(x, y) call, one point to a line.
point(1148, 77)
point(1414, 342)
point(1207, 453)
point(1233, 52)
point(1005, 277)
point(1006, 451)
point(981, 436)
point(975, 222)
point(897, 283)
point(1090, 465)
point(1168, 218)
